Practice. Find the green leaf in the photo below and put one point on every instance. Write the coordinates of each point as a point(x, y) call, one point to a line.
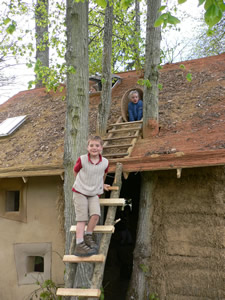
point(162, 8)
point(208, 3)
point(182, 66)
point(11, 28)
point(221, 5)
point(210, 32)
point(158, 22)
point(125, 3)
point(189, 77)
point(200, 2)
point(213, 15)
point(6, 21)
point(102, 3)
point(160, 87)
point(173, 20)
point(181, 1)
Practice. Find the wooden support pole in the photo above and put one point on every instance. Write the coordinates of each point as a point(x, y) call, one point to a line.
point(105, 241)
point(25, 179)
point(179, 170)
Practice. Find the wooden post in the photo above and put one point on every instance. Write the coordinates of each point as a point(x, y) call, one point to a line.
point(104, 245)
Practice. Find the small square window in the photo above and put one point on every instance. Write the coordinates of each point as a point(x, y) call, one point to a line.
point(33, 260)
point(35, 264)
point(12, 201)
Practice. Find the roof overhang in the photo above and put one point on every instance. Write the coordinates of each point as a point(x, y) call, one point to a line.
point(178, 160)
point(32, 171)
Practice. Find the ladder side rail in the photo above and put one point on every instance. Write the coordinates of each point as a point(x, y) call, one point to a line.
point(105, 241)
point(111, 134)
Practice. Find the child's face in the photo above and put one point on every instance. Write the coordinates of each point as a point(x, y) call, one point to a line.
point(94, 148)
point(134, 98)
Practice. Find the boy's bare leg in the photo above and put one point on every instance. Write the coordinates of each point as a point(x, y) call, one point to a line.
point(92, 223)
point(80, 230)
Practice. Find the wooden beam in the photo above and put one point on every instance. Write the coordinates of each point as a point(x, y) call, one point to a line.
point(78, 259)
point(126, 123)
point(94, 293)
point(25, 179)
point(112, 202)
point(119, 138)
point(169, 161)
point(118, 146)
point(97, 229)
point(124, 129)
point(113, 188)
point(179, 170)
point(13, 174)
point(116, 154)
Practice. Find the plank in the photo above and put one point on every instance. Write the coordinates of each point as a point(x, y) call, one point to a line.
point(116, 154)
point(113, 188)
point(124, 129)
point(94, 293)
point(78, 259)
point(125, 123)
point(118, 146)
point(112, 202)
point(119, 138)
point(97, 229)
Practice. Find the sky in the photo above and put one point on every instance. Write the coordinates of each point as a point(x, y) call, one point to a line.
point(187, 28)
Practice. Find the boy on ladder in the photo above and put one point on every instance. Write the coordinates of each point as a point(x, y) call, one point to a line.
point(90, 171)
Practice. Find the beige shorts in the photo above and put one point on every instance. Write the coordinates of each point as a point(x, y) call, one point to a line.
point(85, 206)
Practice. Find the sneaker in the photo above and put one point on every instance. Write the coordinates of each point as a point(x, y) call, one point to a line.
point(88, 239)
point(83, 250)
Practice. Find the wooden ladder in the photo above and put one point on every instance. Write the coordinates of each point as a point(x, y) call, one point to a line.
point(99, 259)
point(121, 138)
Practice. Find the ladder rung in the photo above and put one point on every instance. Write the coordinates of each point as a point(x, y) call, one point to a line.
point(124, 130)
point(118, 146)
point(125, 123)
point(97, 229)
point(78, 259)
point(120, 138)
point(116, 154)
point(92, 293)
point(113, 188)
point(112, 202)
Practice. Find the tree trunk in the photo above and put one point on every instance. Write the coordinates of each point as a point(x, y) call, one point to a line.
point(41, 27)
point(104, 106)
point(137, 35)
point(139, 283)
point(76, 132)
point(152, 60)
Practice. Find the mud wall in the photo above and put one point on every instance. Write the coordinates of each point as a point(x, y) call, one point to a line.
point(188, 241)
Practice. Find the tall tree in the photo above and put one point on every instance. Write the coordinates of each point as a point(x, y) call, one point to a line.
point(42, 39)
point(76, 132)
point(152, 61)
point(105, 104)
point(139, 287)
point(137, 36)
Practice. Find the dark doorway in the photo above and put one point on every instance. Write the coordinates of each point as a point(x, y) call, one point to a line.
point(119, 261)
